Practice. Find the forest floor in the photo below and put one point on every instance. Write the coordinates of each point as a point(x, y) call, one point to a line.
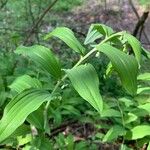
point(119, 16)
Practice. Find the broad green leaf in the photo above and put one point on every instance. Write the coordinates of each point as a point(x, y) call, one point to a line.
point(110, 113)
point(135, 45)
point(140, 112)
point(17, 110)
point(130, 117)
point(142, 98)
point(143, 90)
point(138, 132)
point(67, 36)
point(144, 77)
point(113, 133)
point(145, 107)
point(44, 57)
point(125, 65)
point(85, 81)
point(103, 29)
point(127, 102)
point(25, 82)
point(22, 140)
point(22, 130)
point(41, 143)
point(96, 31)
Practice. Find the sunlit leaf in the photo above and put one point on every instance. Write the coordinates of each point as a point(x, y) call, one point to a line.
point(111, 113)
point(85, 81)
point(96, 31)
point(125, 65)
point(17, 110)
point(25, 82)
point(44, 57)
point(138, 132)
point(130, 117)
point(135, 45)
point(143, 90)
point(113, 133)
point(145, 107)
point(67, 36)
point(144, 77)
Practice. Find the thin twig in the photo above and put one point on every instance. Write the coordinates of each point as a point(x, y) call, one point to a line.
point(35, 26)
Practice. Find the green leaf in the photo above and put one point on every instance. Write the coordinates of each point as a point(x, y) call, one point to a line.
point(22, 140)
point(138, 132)
point(130, 117)
point(44, 57)
point(124, 147)
point(36, 119)
point(3, 97)
point(85, 81)
point(145, 107)
point(148, 148)
point(135, 45)
point(41, 143)
point(144, 76)
point(143, 90)
point(113, 133)
point(111, 113)
point(67, 36)
point(17, 110)
point(25, 82)
point(96, 31)
point(125, 65)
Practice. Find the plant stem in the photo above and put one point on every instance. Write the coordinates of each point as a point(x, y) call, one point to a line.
point(65, 76)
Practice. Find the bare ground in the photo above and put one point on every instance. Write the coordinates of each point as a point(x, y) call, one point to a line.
point(119, 16)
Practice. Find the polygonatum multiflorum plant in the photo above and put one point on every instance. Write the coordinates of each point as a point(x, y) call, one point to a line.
point(122, 49)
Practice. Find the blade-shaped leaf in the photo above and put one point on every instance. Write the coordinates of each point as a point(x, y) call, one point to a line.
point(44, 57)
point(113, 133)
point(85, 81)
point(125, 65)
point(135, 45)
point(19, 108)
point(96, 31)
point(25, 82)
point(67, 36)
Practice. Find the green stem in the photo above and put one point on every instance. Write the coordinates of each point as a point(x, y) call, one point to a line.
point(84, 58)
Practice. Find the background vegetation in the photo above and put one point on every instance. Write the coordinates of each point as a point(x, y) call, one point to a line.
point(70, 122)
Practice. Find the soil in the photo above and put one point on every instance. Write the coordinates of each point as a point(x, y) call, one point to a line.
point(119, 16)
